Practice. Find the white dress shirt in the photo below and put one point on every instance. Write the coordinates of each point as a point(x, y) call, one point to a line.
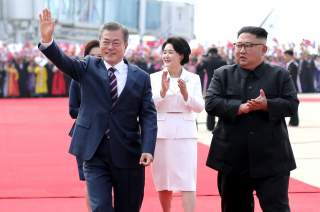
point(121, 74)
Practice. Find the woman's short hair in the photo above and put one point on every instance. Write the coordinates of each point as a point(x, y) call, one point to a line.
point(90, 45)
point(181, 46)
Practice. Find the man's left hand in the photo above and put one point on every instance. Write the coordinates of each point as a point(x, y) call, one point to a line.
point(259, 103)
point(146, 159)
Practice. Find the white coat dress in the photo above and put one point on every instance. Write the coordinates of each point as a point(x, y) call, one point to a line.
point(175, 158)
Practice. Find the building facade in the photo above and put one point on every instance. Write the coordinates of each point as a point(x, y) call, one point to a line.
point(79, 20)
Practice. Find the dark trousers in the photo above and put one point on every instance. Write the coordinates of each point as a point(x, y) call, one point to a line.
point(237, 193)
point(102, 176)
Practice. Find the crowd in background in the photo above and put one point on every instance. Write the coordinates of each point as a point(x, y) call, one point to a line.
point(24, 72)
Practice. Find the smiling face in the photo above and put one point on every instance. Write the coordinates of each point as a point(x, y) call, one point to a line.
point(113, 46)
point(95, 51)
point(170, 57)
point(250, 51)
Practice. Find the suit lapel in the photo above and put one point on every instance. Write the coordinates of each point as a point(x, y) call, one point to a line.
point(131, 79)
point(102, 72)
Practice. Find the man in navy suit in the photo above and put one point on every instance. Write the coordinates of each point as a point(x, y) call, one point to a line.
point(116, 139)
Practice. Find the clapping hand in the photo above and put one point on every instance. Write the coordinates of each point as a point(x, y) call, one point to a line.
point(46, 26)
point(165, 82)
point(259, 103)
point(183, 88)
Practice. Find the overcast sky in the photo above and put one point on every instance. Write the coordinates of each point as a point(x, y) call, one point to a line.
point(219, 20)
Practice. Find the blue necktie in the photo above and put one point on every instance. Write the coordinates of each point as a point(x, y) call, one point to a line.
point(113, 85)
point(113, 92)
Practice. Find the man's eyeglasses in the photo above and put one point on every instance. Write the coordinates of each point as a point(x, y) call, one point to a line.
point(246, 45)
point(113, 43)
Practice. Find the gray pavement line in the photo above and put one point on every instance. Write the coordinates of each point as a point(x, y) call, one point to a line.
point(306, 142)
point(308, 158)
point(305, 127)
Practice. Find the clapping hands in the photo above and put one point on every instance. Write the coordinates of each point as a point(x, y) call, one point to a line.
point(259, 103)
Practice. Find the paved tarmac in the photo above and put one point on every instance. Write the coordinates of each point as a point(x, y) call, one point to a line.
point(305, 139)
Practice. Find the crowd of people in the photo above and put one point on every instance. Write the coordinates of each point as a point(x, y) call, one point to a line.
point(131, 116)
point(26, 73)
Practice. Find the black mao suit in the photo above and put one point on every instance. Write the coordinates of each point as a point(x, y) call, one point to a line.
point(254, 145)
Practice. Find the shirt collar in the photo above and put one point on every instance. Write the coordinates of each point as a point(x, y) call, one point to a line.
point(119, 67)
point(257, 72)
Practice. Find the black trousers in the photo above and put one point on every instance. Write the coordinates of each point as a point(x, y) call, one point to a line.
point(237, 193)
point(102, 177)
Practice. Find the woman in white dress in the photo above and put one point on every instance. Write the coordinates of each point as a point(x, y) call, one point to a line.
point(177, 96)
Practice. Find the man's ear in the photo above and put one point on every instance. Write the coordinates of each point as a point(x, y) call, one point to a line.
point(265, 49)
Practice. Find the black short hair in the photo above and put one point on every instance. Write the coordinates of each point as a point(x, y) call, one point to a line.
point(114, 26)
point(289, 52)
point(181, 46)
point(259, 32)
point(212, 50)
point(90, 45)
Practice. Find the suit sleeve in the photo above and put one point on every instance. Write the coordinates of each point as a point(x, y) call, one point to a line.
point(148, 120)
point(156, 87)
point(74, 99)
point(287, 103)
point(216, 102)
point(70, 66)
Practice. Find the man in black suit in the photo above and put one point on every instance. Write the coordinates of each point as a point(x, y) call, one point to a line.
point(212, 62)
point(116, 127)
point(292, 67)
point(250, 145)
point(307, 70)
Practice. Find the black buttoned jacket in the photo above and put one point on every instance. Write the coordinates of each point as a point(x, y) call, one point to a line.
point(256, 143)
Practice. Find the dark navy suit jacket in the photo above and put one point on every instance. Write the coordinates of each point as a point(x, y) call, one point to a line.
point(74, 102)
point(132, 122)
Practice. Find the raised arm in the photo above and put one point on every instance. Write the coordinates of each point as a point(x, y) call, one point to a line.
point(70, 66)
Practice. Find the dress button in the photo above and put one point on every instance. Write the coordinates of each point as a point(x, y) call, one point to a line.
point(249, 87)
point(251, 133)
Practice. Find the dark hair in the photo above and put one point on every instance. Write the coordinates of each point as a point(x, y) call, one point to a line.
point(289, 52)
point(113, 26)
point(212, 50)
point(181, 46)
point(90, 45)
point(259, 32)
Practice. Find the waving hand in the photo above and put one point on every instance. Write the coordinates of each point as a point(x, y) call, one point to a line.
point(46, 26)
